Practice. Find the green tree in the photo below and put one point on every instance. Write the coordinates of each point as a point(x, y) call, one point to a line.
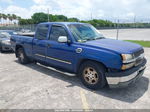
point(61, 18)
point(10, 17)
point(4, 16)
point(1, 17)
point(23, 22)
point(18, 17)
point(51, 18)
point(26, 21)
point(14, 16)
point(39, 17)
point(30, 21)
point(73, 20)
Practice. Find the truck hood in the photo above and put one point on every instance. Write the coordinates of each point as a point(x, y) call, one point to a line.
point(118, 46)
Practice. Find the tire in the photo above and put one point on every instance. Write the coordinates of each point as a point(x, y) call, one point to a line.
point(92, 75)
point(1, 50)
point(22, 58)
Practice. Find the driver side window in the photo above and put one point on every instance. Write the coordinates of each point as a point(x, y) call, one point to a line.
point(56, 32)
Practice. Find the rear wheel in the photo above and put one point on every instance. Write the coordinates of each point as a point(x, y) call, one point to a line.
point(92, 75)
point(22, 58)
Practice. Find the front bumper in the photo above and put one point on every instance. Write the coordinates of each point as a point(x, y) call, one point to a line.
point(6, 47)
point(124, 78)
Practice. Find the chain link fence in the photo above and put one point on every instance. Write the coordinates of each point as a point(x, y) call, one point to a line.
point(123, 31)
point(32, 27)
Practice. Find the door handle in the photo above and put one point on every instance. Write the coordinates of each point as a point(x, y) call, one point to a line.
point(49, 45)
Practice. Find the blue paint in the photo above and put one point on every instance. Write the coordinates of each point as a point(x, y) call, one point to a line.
point(106, 51)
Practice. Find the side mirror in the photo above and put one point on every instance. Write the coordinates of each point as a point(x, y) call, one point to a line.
point(62, 39)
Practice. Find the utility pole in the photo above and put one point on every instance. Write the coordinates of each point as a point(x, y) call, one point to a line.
point(91, 16)
point(48, 14)
point(135, 21)
point(117, 37)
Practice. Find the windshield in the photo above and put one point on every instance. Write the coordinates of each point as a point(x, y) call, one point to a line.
point(84, 32)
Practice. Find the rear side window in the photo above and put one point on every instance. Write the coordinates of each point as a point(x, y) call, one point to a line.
point(41, 32)
point(57, 31)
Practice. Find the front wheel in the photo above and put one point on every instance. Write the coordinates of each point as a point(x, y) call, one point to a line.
point(92, 75)
point(22, 58)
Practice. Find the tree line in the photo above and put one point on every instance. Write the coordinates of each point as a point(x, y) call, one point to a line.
point(43, 17)
point(9, 17)
point(98, 23)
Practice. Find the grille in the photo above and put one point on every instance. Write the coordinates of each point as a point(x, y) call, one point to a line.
point(138, 53)
point(139, 59)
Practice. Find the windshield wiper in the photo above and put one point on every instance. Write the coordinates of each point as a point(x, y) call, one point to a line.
point(90, 39)
point(99, 38)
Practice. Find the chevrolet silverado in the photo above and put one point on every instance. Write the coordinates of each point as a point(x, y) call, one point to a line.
point(79, 49)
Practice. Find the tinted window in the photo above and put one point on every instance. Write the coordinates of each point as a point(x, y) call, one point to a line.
point(41, 32)
point(57, 31)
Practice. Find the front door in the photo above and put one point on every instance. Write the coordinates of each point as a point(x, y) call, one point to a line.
point(60, 54)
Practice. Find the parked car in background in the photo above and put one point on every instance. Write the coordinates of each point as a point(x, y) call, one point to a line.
point(31, 34)
point(5, 44)
point(25, 31)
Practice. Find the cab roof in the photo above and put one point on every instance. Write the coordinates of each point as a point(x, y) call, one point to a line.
point(62, 23)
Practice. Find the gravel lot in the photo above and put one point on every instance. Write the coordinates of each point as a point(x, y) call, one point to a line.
point(128, 34)
point(36, 87)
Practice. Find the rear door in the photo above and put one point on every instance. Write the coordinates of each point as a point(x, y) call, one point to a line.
point(39, 42)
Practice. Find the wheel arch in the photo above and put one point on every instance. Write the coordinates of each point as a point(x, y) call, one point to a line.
point(16, 49)
point(86, 60)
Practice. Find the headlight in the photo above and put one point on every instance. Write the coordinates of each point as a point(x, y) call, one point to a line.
point(127, 57)
point(127, 66)
point(128, 61)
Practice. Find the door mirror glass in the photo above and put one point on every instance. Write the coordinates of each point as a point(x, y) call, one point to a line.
point(62, 39)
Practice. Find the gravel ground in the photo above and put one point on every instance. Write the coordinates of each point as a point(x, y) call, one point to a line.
point(37, 87)
point(128, 34)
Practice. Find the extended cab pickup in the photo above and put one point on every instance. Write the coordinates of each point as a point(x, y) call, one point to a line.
point(78, 48)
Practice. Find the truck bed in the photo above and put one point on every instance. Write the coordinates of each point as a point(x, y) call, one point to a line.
point(23, 40)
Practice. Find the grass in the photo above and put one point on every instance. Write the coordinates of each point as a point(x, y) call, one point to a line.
point(142, 43)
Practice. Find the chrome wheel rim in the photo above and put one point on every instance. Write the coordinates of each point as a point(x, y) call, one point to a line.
point(90, 75)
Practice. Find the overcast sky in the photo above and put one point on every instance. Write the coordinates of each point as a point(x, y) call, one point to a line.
point(82, 9)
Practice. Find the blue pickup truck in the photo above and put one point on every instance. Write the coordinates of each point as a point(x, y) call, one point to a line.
point(78, 48)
